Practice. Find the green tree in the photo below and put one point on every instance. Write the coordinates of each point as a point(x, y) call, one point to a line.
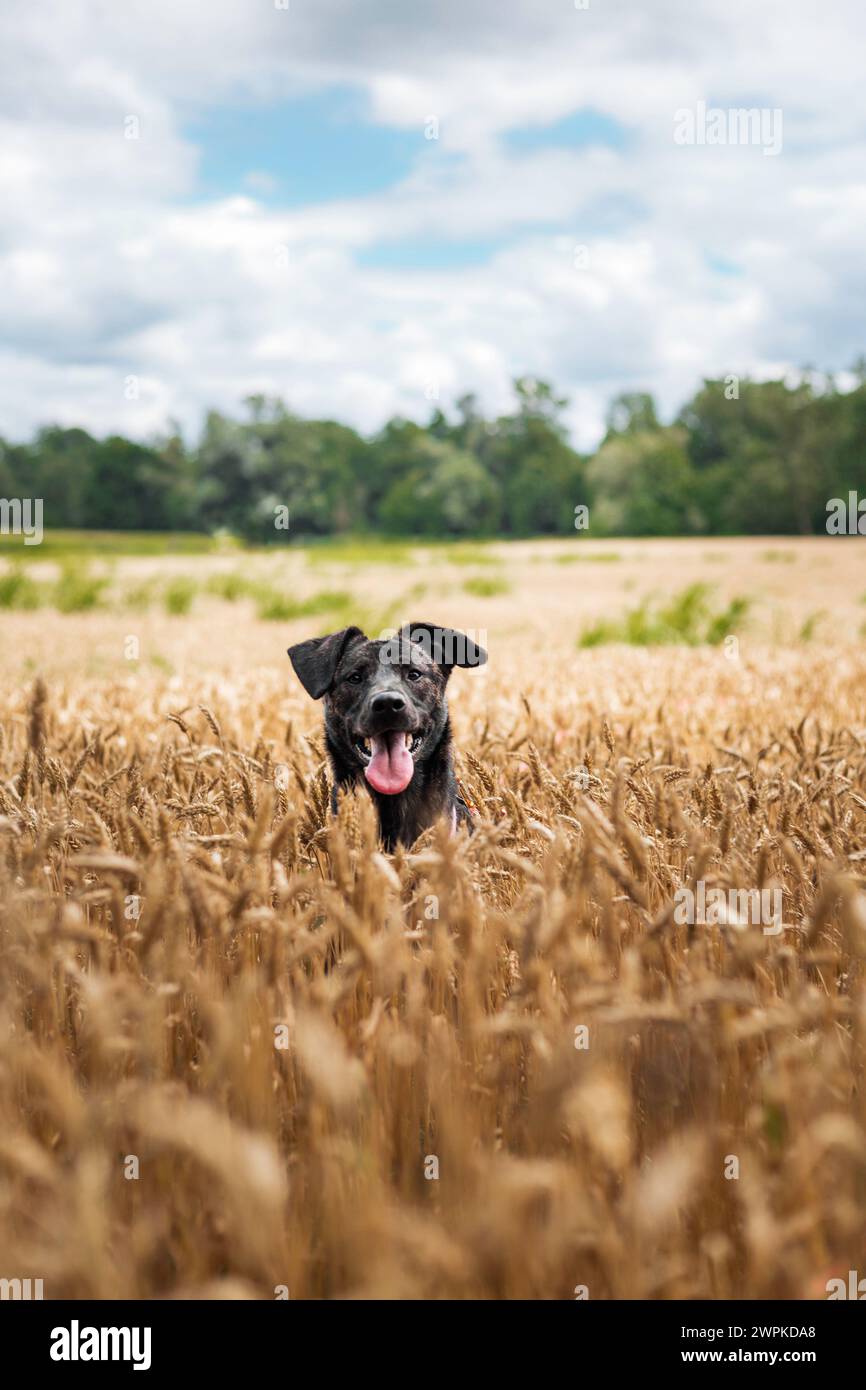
point(631, 412)
point(641, 485)
point(542, 478)
point(760, 462)
point(445, 491)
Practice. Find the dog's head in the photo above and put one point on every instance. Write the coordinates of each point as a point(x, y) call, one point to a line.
point(385, 708)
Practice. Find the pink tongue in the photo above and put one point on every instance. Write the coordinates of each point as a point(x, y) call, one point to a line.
point(390, 768)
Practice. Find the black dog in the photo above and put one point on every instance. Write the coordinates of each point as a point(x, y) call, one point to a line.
point(386, 719)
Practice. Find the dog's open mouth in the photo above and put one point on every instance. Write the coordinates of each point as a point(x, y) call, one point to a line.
point(389, 758)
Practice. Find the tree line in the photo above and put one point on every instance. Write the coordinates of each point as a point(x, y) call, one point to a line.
point(741, 457)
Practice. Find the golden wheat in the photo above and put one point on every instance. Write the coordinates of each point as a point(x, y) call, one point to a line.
point(243, 1052)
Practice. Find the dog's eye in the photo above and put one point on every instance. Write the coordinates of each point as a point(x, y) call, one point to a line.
point(413, 675)
point(355, 678)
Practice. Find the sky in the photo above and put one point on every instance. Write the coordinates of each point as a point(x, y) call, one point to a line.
point(373, 208)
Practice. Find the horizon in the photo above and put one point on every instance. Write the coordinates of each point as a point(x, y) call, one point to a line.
point(841, 383)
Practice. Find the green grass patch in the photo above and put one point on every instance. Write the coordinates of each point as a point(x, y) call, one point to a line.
point(486, 586)
point(162, 663)
point(18, 590)
point(810, 626)
point(139, 597)
point(687, 619)
point(274, 606)
point(231, 586)
point(85, 545)
point(602, 557)
point(178, 596)
point(357, 552)
point(76, 590)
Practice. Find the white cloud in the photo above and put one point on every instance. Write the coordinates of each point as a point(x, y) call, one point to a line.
point(108, 268)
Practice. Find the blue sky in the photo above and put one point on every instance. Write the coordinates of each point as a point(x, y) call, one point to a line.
point(311, 149)
point(283, 222)
point(577, 130)
point(324, 146)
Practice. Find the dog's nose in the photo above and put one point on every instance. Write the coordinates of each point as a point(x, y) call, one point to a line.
point(388, 702)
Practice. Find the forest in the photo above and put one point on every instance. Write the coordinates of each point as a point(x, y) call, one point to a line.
point(741, 457)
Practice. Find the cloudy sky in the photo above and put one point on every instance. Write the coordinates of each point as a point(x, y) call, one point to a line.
point(366, 206)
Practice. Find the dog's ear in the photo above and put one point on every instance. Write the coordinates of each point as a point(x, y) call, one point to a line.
point(447, 647)
point(316, 660)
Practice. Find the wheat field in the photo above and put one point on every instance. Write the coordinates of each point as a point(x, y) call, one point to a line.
point(245, 1054)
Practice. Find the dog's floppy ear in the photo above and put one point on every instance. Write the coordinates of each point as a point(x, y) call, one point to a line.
point(316, 660)
point(447, 647)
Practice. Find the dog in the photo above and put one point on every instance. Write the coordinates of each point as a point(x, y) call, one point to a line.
point(386, 720)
